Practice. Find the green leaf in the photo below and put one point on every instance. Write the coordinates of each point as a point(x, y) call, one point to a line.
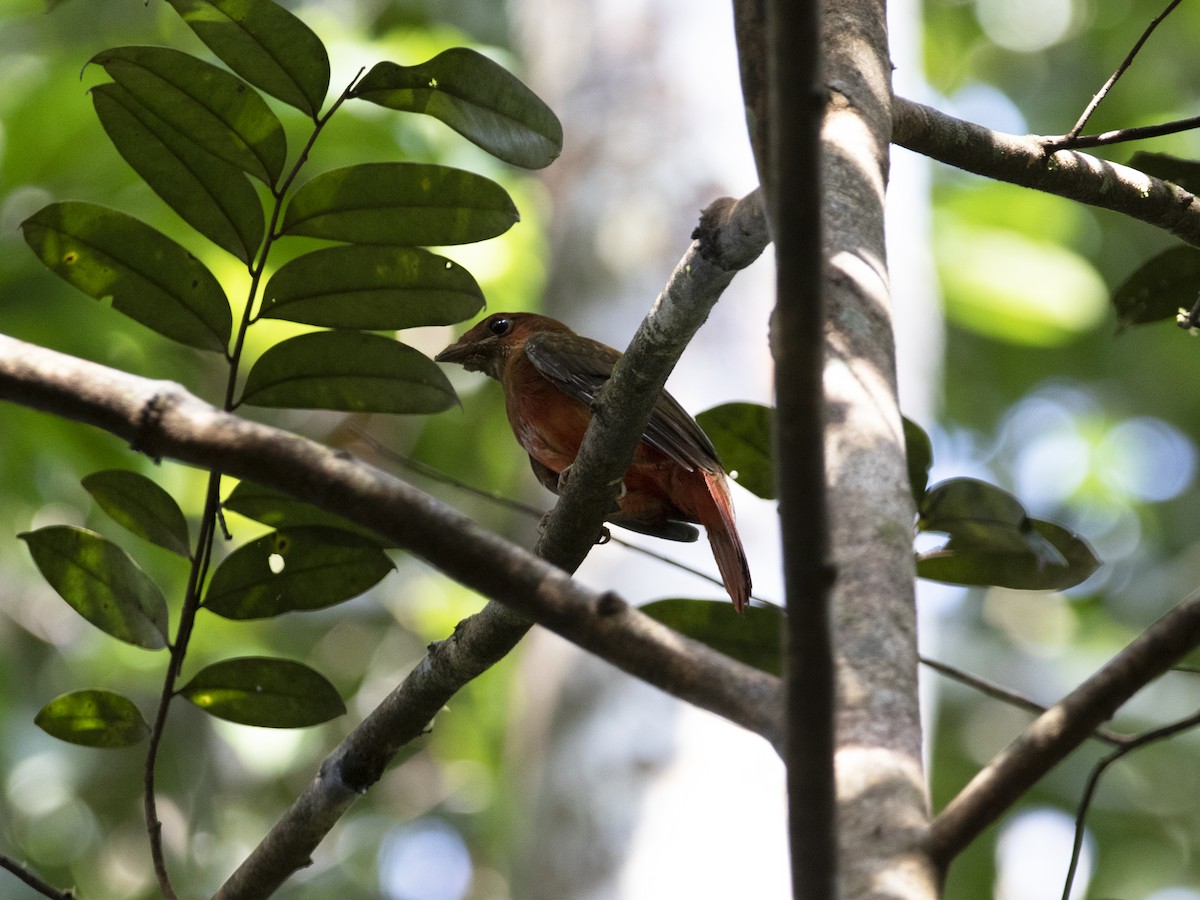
point(283, 511)
point(93, 718)
point(211, 195)
point(271, 693)
point(741, 432)
point(295, 569)
point(400, 204)
point(919, 452)
point(266, 45)
point(215, 109)
point(139, 505)
point(1183, 172)
point(476, 97)
point(101, 582)
point(350, 371)
point(753, 638)
point(372, 287)
point(1159, 288)
point(979, 514)
point(1020, 570)
point(149, 277)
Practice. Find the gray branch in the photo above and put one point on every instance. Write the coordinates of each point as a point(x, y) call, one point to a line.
point(1062, 728)
point(1022, 160)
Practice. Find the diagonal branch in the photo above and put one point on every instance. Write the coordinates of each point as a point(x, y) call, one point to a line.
point(1061, 729)
point(163, 420)
point(1023, 160)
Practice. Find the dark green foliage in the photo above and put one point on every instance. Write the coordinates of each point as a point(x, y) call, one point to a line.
point(741, 432)
point(474, 96)
point(215, 109)
point(295, 569)
point(1160, 288)
point(266, 45)
point(993, 541)
point(196, 133)
point(139, 505)
point(101, 582)
point(210, 194)
point(400, 205)
point(351, 371)
point(270, 693)
point(918, 451)
point(280, 510)
point(753, 638)
point(149, 277)
point(93, 719)
point(366, 286)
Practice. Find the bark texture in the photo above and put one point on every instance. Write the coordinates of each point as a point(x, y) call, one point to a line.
point(883, 807)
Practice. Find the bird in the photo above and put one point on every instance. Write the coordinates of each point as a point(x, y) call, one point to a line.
point(551, 377)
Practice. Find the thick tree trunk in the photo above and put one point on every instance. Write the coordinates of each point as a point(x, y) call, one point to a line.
point(881, 791)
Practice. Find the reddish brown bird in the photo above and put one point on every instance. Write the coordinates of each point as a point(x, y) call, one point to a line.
point(551, 376)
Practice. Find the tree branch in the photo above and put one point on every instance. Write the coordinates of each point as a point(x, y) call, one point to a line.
point(1061, 729)
point(730, 236)
point(161, 419)
point(1023, 160)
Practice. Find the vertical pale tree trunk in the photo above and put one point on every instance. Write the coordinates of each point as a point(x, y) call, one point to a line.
point(881, 791)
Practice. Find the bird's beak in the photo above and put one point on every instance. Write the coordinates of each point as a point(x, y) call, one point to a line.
point(455, 353)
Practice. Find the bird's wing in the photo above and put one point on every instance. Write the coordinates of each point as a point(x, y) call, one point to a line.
point(580, 367)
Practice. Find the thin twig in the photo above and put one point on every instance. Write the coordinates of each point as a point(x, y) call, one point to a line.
point(1119, 136)
point(1112, 79)
point(1132, 743)
point(1011, 697)
point(42, 887)
point(1062, 728)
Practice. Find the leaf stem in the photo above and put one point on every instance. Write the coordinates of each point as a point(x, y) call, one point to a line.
point(212, 507)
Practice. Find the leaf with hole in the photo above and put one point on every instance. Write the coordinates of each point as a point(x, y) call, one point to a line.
point(741, 432)
point(372, 287)
point(139, 505)
point(295, 569)
point(270, 693)
point(149, 277)
point(400, 204)
point(101, 582)
point(918, 451)
point(350, 371)
point(208, 193)
point(961, 562)
point(1159, 288)
point(478, 98)
point(283, 511)
point(266, 45)
point(93, 718)
point(214, 108)
point(753, 638)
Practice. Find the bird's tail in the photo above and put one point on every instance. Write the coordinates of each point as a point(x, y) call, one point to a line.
point(726, 544)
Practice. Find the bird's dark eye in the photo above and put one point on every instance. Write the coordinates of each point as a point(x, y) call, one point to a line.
point(500, 325)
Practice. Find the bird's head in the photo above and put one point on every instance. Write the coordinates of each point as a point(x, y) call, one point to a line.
point(488, 345)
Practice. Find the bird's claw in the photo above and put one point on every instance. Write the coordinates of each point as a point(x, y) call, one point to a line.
point(604, 537)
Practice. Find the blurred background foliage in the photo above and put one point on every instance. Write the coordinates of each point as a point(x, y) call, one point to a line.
point(1039, 394)
point(1088, 427)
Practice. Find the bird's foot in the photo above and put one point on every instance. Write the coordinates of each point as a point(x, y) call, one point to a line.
point(604, 537)
point(563, 477)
